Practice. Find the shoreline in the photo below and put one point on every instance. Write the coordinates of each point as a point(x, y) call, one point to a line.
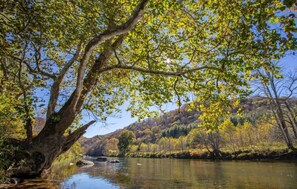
point(238, 155)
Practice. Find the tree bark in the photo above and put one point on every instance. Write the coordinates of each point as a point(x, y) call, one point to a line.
point(28, 126)
point(30, 160)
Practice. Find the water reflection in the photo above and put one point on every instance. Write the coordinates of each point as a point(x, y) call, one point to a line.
point(84, 180)
point(175, 173)
point(61, 171)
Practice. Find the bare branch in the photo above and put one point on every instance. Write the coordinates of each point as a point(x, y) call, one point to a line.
point(291, 88)
point(36, 70)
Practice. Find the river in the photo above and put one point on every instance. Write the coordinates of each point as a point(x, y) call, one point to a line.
point(137, 173)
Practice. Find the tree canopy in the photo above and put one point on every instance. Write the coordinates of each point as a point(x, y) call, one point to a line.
point(96, 51)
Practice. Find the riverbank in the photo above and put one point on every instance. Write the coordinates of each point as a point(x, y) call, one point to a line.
point(283, 154)
point(34, 184)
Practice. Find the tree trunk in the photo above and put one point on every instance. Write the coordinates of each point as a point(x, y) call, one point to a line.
point(30, 160)
point(292, 119)
point(214, 138)
point(28, 127)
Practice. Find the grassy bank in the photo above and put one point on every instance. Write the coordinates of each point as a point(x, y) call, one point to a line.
point(279, 154)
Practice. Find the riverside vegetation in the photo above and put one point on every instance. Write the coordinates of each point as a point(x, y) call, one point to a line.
point(252, 135)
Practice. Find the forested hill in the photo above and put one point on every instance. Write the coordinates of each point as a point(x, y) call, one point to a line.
point(173, 123)
point(178, 123)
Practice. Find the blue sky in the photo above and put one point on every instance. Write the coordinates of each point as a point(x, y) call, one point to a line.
point(289, 63)
point(123, 119)
point(119, 121)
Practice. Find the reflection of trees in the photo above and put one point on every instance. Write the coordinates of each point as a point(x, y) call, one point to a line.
point(61, 171)
point(174, 173)
point(145, 173)
point(52, 180)
point(208, 174)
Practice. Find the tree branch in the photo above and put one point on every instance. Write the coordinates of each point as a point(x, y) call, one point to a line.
point(55, 89)
point(106, 35)
point(92, 76)
point(176, 93)
point(66, 112)
point(34, 71)
point(26, 104)
point(73, 137)
point(158, 72)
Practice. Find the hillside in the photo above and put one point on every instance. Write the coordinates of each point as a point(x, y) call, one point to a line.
point(174, 123)
point(178, 123)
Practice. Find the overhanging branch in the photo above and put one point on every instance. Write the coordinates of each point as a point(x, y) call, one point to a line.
point(74, 136)
point(97, 40)
point(181, 72)
point(92, 76)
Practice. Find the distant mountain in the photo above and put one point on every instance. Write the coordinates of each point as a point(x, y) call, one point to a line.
point(89, 144)
point(177, 123)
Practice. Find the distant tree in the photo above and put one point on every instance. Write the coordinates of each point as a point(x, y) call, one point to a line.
point(126, 138)
point(147, 135)
point(162, 142)
point(279, 90)
point(227, 130)
point(155, 133)
point(110, 147)
point(182, 142)
point(194, 138)
point(143, 147)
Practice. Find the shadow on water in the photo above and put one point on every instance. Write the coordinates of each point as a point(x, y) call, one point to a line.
point(57, 174)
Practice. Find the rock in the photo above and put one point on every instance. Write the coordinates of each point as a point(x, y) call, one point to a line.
point(12, 181)
point(83, 162)
point(101, 159)
point(114, 161)
point(17, 180)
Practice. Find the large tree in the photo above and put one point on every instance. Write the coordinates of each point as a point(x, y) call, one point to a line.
point(92, 56)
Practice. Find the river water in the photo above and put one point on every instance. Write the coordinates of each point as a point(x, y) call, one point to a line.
point(137, 173)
